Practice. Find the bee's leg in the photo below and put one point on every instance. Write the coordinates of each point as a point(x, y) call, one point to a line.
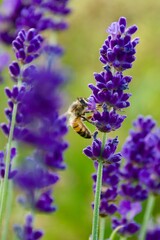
point(88, 119)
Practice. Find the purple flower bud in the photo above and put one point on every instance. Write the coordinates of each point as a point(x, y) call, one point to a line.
point(14, 69)
point(5, 128)
point(27, 231)
point(31, 34)
point(131, 30)
point(122, 21)
point(8, 92)
point(16, 45)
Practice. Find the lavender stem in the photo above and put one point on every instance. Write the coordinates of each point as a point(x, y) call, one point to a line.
point(102, 228)
point(4, 194)
point(8, 210)
point(147, 215)
point(7, 162)
point(95, 221)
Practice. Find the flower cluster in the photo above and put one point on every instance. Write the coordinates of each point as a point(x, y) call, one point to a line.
point(107, 153)
point(27, 232)
point(38, 14)
point(110, 178)
point(109, 96)
point(140, 174)
point(153, 233)
point(142, 152)
point(128, 210)
point(35, 102)
point(27, 45)
point(11, 173)
point(117, 53)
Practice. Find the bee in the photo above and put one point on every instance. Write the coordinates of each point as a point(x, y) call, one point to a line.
point(77, 112)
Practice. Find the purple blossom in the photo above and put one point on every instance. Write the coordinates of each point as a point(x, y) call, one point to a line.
point(141, 152)
point(128, 227)
point(118, 49)
point(107, 121)
point(110, 175)
point(140, 173)
point(153, 233)
point(128, 210)
point(27, 46)
point(33, 178)
point(41, 15)
point(45, 202)
point(107, 154)
point(110, 88)
point(108, 95)
point(27, 232)
point(38, 105)
point(11, 173)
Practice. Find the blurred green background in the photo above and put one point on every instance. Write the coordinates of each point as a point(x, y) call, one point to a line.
point(88, 22)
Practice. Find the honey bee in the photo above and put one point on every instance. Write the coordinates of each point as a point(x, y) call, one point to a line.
point(77, 112)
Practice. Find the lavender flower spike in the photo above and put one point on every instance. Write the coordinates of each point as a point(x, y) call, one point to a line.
point(119, 50)
point(107, 155)
point(27, 232)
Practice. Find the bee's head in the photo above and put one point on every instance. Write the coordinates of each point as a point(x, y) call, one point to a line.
point(83, 101)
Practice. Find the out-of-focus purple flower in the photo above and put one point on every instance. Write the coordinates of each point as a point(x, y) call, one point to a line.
point(53, 50)
point(128, 210)
point(153, 233)
point(128, 227)
point(32, 175)
point(41, 15)
point(141, 152)
point(4, 61)
point(45, 202)
point(140, 174)
point(38, 104)
point(27, 232)
point(134, 193)
point(11, 173)
point(108, 155)
point(33, 178)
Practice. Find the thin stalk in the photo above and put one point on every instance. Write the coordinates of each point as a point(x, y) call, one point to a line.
point(114, 233)
point(8, 210)
point(3, 196)
point(123, 238)
point(95, 222)
point(102, 228)
point(147, 215)
point(7, 163)
point(1, 184)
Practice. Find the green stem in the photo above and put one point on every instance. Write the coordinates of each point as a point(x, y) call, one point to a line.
point(102, 228)
point(8, 210)
point(97, 202)
point(95, 222)
point(123, 238)
point(114, 233)
point(7, 163)
point(1, 184)
point(147, 215)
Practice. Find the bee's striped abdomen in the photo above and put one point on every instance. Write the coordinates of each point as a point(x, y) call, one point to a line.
point(80, 128)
